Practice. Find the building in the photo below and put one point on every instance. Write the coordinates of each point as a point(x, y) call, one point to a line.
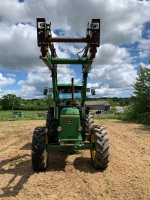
point(98, 105)
point(119, 110)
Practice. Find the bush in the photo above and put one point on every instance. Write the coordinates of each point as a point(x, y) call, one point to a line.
point(144, 118)
point(132, 115)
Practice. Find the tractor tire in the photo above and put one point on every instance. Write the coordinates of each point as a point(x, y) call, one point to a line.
point(39, 154)
point(99, 156)
point(89, 125)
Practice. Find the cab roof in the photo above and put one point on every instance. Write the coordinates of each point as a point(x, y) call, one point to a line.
point(68, 84)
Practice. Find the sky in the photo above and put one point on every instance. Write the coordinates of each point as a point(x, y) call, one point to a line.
point(125, 44)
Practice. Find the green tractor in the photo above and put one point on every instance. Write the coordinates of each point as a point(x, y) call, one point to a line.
point(69, 123)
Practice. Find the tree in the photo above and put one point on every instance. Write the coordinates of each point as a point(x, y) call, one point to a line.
point(10, 102)
point(49, 100)
point(141, 101)
point(42, 104)
point(1, 104)
point(142, 91)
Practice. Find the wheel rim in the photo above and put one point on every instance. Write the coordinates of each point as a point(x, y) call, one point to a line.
point(93, 152)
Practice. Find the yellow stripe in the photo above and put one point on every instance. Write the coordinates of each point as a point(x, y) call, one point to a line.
point(69, 115)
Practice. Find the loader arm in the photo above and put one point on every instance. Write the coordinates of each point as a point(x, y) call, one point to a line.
point(45, 42)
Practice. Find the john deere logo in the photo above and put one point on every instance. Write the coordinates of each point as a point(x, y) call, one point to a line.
point(69, 121)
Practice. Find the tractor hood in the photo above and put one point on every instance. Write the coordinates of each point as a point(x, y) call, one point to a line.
point(69, 111)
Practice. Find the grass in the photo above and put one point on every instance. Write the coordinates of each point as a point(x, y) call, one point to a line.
point(28, 115)
point(32, 115)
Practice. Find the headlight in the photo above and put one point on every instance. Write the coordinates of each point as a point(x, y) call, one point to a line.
point(59, 128)
point(79, 128)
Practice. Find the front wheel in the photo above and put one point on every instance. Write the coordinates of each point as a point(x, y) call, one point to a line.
point(39, 154)
point(99, 156)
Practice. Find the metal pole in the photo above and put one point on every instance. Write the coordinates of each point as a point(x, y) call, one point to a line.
point(72, 84)
point(82, 61)
point(78, 40)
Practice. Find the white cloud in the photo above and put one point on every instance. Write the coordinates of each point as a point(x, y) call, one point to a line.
point(120, 20)
point(111, 54)
point(18, 47)
point(144, 48)
point(36, 81)
point(106, 91)
point(11, 75)
point(7, 91)
point(95, 85)
point(121, 23)
point(12, 11)
point(34, 84)
point(145, 65)
point(116, 76)
point(6, 81)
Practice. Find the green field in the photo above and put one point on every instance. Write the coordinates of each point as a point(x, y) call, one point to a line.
point(27, 115)
point(33, 115)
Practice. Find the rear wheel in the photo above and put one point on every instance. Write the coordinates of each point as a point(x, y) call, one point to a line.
point(99, 156)
point(89, 125)
point(39, 154)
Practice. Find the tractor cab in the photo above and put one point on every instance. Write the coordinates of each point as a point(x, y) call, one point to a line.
point(65, 94)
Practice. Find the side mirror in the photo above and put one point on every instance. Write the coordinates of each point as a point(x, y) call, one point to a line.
point(45, 91)
point(93, 91)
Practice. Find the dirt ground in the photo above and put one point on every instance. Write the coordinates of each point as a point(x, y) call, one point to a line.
point(71, 176)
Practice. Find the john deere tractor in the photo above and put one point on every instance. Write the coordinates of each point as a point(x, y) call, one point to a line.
point(69, 123)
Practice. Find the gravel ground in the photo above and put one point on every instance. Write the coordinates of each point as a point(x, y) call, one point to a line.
point(71, 176)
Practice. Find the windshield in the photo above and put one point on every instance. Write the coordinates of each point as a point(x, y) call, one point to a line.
point(65, 94)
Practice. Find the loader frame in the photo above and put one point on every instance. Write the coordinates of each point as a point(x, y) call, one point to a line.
point(49, 56)
point(69, 124)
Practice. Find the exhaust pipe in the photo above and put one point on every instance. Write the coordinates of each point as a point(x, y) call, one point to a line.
point(72, 84)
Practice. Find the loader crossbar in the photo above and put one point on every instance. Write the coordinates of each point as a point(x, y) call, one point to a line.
point(45, 39)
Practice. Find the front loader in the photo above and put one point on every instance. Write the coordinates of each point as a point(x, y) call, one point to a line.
point(69, 123)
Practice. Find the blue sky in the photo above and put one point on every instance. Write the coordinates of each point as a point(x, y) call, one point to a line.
point(125, 43)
